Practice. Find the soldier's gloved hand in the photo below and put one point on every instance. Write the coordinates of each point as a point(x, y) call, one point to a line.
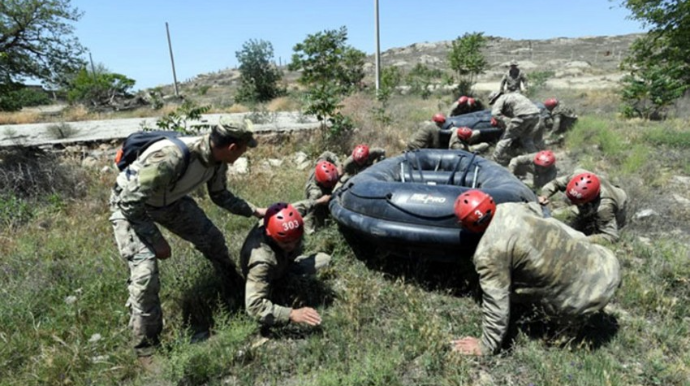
point(306, 315)
point(162, 249)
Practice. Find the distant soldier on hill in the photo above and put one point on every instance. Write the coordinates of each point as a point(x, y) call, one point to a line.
point(514, 79)
point(465, 105)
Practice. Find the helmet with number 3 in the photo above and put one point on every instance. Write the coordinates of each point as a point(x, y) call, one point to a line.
point(474, 210)
point(283, 223)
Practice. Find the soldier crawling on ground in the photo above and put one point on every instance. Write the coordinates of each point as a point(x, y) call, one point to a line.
point(524, 258)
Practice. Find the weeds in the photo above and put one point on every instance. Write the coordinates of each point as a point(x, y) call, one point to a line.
point(62, 130)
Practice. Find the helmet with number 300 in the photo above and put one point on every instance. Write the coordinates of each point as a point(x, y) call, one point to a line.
point(283, 223)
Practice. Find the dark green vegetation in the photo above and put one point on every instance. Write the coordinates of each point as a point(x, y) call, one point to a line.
point(386, 321)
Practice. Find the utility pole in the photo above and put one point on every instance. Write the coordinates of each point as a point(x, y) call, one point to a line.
point(172, 60)
point(93, 68)
point(378, 48)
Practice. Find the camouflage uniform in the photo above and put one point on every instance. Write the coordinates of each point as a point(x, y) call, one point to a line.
point(148, 192)
point(524, 164)
point(473, 144)
point(316, 216)
point(562, 119)
point(427, 137)
point(458, 109)
point(520, 117)
point(525, 258)
point(600, 219)
point(511, 81)
point(263, 263)
point(351, 168)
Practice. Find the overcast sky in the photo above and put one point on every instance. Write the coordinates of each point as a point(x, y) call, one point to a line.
point(128, 36)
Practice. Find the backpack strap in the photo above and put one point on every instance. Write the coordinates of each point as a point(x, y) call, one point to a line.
point(186, 155)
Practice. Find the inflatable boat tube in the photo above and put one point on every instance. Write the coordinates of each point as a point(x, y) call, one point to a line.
point(404, 204)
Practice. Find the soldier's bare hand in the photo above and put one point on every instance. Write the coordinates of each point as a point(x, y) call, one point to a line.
point(162, 249)
point(467, 346)
point(543, 200)
point(259, 212)
point(306, 315)
point(323, 199)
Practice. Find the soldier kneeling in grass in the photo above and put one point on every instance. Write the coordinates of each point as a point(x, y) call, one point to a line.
point(273, 250)
point(524, 258)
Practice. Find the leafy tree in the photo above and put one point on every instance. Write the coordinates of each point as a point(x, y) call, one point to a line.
point(659, 62)
point(326, 58)
point(36, 39)
point(98, 88)
point(420, 79)
point(259, 76)
point(466, 59)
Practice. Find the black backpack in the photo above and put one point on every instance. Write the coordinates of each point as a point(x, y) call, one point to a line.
point(137, 143)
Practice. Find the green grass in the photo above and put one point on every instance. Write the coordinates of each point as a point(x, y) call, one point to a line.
point(385, 322)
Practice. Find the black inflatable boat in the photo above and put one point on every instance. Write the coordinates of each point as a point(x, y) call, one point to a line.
point(404, 204)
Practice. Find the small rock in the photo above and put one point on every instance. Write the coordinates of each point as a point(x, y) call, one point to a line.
point(681, 200)
point(645, 213)
point(681, 180)
point(241, 166)
point(275, 162)
point(70, 299)
point(95, 338)
point(645, 240)
point(304, 165)
point(100, 358)
point(300, 157)
point(89, 162)
point(106, 170)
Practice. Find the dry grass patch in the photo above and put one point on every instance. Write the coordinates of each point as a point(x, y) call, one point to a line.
point(19, 117)
point(283, 104)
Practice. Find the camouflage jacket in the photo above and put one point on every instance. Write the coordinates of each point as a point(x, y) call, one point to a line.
point(156, 179)
point(314, 191)
point(351, 168)
point(262, 263)
point(513, 105)
point(458, 109)
point(600, 218)
point(456, 143)
point(561, 117)
point(428, 136)
point(511, 82)
point(526, 258)
point(523, 164)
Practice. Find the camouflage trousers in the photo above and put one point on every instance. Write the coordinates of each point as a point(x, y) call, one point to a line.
point(316, 219)
point(185, 219)
point(518, 130)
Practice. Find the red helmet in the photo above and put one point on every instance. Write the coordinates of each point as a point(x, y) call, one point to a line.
point(463, 99)
point(545, 158)
point(551, 103)
point(474, 210)
point(464, 133)
point(439, 118)
point(360, 154)
point(283, 223)
point(326, 174)
point(470, 102)
point(583, 188)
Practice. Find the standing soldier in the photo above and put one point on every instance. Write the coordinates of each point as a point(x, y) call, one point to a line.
point(321, 182)
point(155, 189)
point(541, 165)
point(562, 117)
point(465, 105)
point(464, 138)
point(600, 207)
point(524, 258)
point(362, 157)
point(429, 135)
point(270, 252)
point(520, 117)
point(514, 80)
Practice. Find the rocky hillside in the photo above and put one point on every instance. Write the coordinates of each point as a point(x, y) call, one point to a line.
point(587, 62)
